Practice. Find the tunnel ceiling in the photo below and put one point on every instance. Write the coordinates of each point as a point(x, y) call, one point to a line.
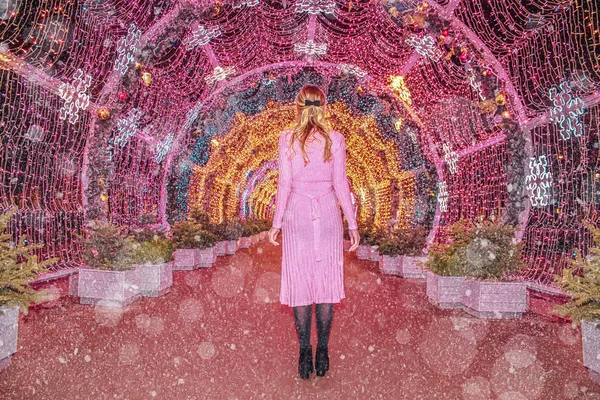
point(116, 109)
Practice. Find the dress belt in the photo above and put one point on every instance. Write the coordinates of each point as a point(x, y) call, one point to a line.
point(315, 215)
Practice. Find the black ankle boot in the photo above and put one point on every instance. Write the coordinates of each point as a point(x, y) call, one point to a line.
point(305, 363)
point(321, 361)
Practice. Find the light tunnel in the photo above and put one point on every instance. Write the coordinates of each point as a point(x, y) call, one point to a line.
point(114, 114)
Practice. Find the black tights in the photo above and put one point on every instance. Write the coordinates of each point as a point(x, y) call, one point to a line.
point(303, 317)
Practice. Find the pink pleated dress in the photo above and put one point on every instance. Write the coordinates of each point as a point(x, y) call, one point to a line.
point(307, 211)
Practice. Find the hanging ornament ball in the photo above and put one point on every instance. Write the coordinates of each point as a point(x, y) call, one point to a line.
point(103, 196)
point(506, 114)
point(147, 78)
point(122, 96)
point(486, 72)
point(445, 32)
point(103, 113)
point(359, 89)
point(500, 99)
point(463, 57)
point(138, 65)
point(398, 124)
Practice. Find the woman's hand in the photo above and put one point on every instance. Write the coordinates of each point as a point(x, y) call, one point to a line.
point(273, 232)
point(354, 239)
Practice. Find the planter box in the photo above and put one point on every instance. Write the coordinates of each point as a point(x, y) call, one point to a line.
point(208, 257)
point(254, 239)
point(362, 252)
point(374, 253)
point(186, 259)
point(410, 268)
point(444, 291)
point(9, 327)
point(244, 242)
point(232, 246)
point(263, 235)
point(590, 339)
point(116, 288)
point(155, 279)
point(389, 265)
point(495, 299)
point(221, 248)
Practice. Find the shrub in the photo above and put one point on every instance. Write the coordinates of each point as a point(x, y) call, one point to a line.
point(404, 242)
point(107, 246)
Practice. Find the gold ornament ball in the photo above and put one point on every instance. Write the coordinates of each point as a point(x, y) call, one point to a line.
point(501, 99)
point(147, 78)
point(103, 113)
point(505, 114)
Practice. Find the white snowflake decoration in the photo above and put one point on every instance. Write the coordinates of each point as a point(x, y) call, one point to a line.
point(219, 74)
point(451, 158)
point(316, 6)
point(566, 111)
point(352, 70)
point(126, 49)
point(201, 36)
point(538, 181)
point(443, 196)
point(75, 96)
point(163, 148)
point(475, 84)
point(249, 3)
point(35, 133)
point(128, 126)
point(311, 48)
point(425, 46)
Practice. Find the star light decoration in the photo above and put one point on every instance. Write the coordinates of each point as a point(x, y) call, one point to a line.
point(425, 46)
point(316, 6)
point(219, 74)
point(399, 87)
point(75, 96)
point(566, 111)
point(128, 126)
point(311, 48)
point(451, 158)
point(201, 36)
point(163, 148)
point(126, 49)
point(443, 196)
point(538, 181)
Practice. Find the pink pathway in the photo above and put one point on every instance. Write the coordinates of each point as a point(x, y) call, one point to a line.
point(221, 334)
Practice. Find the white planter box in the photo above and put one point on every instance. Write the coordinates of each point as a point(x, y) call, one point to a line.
point(444, 291)
point(374, 253)
point(9, 328)
point(186, 259)
point(208, 257)
point(362, 252)
point(109, 288)
point(263, 235)
point(495, 299)
point(244, 242)
point(590, 339)
point(389, 265)
point(232, 246)
point(155, 279)
point(221, 248)
point(410, 267)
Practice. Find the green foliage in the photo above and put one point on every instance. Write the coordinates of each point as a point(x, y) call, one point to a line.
point(198, 216)
point(404, 242)
point(582, 282)
point(188, 235)
point(154, 251)
point(369, 235)
point(230, 230)
point(253, 226)
point(107, 246)
point(18, 267)
point(484, 250)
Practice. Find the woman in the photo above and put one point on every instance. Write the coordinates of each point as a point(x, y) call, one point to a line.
point(312, 179)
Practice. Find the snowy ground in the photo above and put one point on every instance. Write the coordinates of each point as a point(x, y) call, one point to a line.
point(222, 334)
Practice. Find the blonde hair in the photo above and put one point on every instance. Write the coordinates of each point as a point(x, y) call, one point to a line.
point(311, 116)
